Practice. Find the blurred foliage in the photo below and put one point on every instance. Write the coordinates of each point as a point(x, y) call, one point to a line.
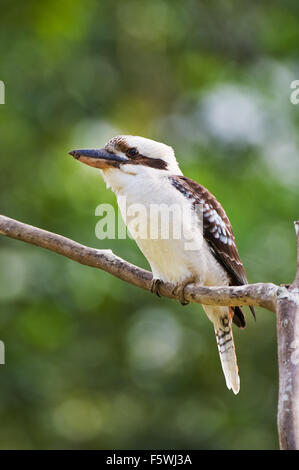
point(90, 361)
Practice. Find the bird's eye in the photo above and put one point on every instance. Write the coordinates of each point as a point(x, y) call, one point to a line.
point(132, 152)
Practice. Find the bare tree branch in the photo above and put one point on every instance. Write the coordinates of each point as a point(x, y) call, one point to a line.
point(288, 361)
point(296, 281)
point(282, 300)
point(260, 294)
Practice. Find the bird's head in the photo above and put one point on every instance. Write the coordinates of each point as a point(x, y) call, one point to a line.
point(131, 155)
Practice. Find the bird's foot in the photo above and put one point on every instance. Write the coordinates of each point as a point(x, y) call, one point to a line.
point(179, 290)
point(155, 284)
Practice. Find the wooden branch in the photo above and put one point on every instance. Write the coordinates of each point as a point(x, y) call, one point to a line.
point(260, 294)
point(288, 361)
point(284, 301)
point(296, 281)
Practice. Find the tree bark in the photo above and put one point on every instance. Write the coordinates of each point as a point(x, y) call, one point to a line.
point(260, 294)
point(284, 301)
point(287, 312)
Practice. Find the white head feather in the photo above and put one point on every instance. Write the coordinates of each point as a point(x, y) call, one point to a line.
point(117, 177)
point(148, 148)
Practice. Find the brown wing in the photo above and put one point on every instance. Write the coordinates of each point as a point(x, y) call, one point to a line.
point(217, 229)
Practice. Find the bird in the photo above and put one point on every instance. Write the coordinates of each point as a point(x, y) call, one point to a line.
point(145, 172)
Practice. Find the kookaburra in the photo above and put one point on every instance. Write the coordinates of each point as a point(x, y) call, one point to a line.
point(146, 172)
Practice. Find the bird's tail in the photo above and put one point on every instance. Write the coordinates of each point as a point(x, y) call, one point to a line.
point(222, 320)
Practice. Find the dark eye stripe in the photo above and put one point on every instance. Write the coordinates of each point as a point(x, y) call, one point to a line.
point(132, 152)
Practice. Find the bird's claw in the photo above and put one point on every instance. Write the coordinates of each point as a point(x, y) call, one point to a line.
point(155, 286)
point(180, 292)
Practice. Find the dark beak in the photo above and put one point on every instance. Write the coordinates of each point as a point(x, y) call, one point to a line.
point(99, 158)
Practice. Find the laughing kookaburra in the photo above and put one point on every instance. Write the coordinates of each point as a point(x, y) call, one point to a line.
point(146, 172)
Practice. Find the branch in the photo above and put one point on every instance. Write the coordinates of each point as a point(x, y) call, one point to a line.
point(263, 295)
point(288, 361)
point(296, 281)
point(281, 300)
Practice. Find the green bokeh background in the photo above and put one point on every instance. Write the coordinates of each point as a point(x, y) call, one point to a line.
point(92, 362)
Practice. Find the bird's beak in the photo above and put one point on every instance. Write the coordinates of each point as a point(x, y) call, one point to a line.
point(99, 158)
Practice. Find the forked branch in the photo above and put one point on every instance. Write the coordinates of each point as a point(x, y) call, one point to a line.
point(281, 300)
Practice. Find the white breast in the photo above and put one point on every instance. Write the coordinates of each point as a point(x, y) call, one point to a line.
point(181, 253)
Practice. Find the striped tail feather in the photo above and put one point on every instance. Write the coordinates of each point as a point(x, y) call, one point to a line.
point(227, 353)
point(222, 320)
